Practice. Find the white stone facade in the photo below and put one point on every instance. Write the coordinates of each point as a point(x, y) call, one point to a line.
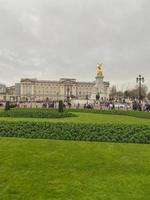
point(2, 92)
point(41, 90)
point(34, 90)
point(101, 88)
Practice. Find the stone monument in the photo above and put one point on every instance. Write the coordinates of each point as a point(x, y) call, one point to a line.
point(99, 87)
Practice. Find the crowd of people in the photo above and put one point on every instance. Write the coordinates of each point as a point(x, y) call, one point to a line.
point(96, 105)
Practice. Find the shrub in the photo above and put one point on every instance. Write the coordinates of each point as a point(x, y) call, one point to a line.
point(7, 106)
point(13, 105)
point(137, 114)
point(60, 107)
point(35, 113)
point(71, 131)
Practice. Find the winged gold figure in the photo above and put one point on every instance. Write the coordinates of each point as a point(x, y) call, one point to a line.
point(99, 69)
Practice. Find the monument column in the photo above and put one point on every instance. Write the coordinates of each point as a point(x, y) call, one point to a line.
point(99, 84)
point(99, 80)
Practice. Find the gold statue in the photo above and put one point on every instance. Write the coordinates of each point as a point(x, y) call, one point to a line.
point(99, 70)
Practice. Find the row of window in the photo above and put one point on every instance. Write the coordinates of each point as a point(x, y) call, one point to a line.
point(54, 92)
point(55, 86)
point(53, 89)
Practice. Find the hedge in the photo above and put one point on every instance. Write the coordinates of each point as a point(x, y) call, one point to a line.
point(35, 113)
point(137, 114)
point(70, 131)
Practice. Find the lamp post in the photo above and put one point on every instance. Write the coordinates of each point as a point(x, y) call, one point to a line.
point(97, 96)
point(57, 96)
point(87, 98)
point(43, 93)
point(68, 96)
point(140, 80)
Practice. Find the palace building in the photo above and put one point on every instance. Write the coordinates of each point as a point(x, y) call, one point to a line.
point(65, 88)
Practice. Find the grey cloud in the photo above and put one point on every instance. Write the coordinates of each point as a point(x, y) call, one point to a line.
point(52, 39)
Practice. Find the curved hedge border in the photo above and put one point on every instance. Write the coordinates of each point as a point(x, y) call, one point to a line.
point(137, 114)
point(85, 132)
point(35, 113)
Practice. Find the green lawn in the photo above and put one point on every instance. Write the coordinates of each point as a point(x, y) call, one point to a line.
point(87, 118)
point(65, 170)
point(145, 115)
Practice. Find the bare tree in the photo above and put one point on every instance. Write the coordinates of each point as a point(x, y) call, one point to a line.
point(134, 93)
point(148, 96)
point(113, 92)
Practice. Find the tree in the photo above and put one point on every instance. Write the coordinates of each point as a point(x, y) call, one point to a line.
point(148, 96)
point(131, 94)
point(144, 91)
point(134, 93)
point(119, 94)
point(113, 92)
point(126, 94)
point(7, 106)
point(60, 107)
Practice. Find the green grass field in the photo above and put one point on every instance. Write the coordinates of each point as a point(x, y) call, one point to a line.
point(33, 169)
point(64, 170)
point(87, 118)
point(76, 116)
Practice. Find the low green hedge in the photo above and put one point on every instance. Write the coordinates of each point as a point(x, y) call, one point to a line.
point(35, 113)
point(138, 114)
point(85, 132)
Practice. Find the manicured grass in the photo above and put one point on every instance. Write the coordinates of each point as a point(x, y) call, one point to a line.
point(87, 118)
point(145, 115)
point(61, 170)
point(76, 116)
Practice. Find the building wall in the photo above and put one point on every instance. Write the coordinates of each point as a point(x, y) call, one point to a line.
point(39, 90)
point(2, 89)
point(2, 92)
point(42, 90)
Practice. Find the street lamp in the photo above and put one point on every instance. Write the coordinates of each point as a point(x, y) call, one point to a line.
point(68, 95)
point(57, 96)
point(97, 96)
point(87, 98)
point(140, 80)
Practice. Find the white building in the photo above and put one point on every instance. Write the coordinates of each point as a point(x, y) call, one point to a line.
point(65, 88)
point(11, 93)
point(2, 92)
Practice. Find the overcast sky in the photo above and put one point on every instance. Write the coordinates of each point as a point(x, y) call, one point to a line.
point(51, 39)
